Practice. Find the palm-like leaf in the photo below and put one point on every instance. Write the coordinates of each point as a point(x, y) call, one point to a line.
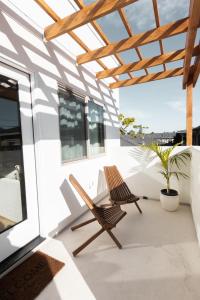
point(168, 161)
point(180, 158)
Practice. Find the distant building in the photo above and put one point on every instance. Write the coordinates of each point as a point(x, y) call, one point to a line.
point(195, 136)
point(163, 138)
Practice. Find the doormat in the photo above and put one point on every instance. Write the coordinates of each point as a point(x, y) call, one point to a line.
point(28, 279)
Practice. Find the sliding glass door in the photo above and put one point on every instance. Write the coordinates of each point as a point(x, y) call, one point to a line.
point(18, 191)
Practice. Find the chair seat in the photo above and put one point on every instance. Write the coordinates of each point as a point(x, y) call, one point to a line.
point(109, 217)
point(126, 200)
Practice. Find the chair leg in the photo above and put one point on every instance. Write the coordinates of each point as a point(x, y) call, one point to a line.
point(83, 224)
point(138, 207)
point(75, 252)
point(114, 239)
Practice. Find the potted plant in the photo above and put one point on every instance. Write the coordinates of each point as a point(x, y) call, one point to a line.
point(171, 167)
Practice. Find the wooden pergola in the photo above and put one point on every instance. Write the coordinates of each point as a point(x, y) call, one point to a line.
point(89, 14)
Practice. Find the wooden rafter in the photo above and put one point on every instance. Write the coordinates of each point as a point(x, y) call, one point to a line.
point(194, 22)
point(129, 31)
point(137, 40)
point(100, 32)
point(147, 78)
point(87, 14)
point(155, 7)
point(196, 70)
point(146, 63)
point(56, 18)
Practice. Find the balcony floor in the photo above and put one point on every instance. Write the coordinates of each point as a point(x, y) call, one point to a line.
point(160, 259)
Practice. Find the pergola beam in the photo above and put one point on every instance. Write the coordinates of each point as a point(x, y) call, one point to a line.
point(194, 22)
point(147, 78)
point(56, 18)
point(146, 63)
point(100, 32)
point(137, 40)
point(87, 14)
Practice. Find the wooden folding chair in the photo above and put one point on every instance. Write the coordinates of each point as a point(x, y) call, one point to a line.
point(106, 217)
point(118, 189)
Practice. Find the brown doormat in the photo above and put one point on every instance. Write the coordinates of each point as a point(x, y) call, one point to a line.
point(26, 281)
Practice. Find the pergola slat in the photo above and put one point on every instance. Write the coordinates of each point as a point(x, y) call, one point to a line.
point(129, 31)
point(101, 33)
point(89, 14)
point(155, 7)
point(85, 15)
point(147, 78)
point(147, 62)
point(56, 18)
point(194, 22)
point(150, 36)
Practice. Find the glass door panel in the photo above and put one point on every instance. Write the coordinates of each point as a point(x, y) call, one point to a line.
point(12, 186)
point(18, 192)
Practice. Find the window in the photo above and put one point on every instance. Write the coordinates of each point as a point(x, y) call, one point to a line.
point(96, 128)
point(79, 137)
point(72, 125)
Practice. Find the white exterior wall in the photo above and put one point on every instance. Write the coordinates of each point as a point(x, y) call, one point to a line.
point(21, 44)
point(195, 189)
point(50, 63)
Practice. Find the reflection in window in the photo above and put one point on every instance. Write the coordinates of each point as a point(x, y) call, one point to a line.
point(12, 186)
point(96, 128)
point(72, 125)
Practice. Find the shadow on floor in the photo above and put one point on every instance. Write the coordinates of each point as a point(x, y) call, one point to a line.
point(160, 258)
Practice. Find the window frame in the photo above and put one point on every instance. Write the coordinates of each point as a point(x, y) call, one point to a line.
point(104, 131)
point(86, 99)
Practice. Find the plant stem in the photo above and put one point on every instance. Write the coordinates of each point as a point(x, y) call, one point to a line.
point(168, 185)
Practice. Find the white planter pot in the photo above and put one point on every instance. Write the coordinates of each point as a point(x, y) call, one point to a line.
point(169, 202)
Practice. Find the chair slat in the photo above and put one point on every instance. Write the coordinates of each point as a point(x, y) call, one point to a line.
point(107, 217)
point(118, 189)
point(81, 192)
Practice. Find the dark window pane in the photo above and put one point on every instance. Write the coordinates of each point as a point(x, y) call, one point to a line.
point(72, 126)
point(12, 186)
point(96, 128)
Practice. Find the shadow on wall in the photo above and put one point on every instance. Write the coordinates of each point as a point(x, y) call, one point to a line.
point(101, 185)
point(52, 64)
point(71, 199)
point(74, 202)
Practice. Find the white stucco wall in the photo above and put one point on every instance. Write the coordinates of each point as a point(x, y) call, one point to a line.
point(195, 189)
point(49, 63)
point(22, 44)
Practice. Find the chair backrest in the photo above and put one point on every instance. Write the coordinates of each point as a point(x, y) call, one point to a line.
point(118, 189)
point(81, 192)
point(113, 177)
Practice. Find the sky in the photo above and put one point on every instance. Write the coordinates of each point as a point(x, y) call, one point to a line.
point(160, 105)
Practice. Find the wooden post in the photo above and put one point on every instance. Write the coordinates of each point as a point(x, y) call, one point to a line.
point(189, 114)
